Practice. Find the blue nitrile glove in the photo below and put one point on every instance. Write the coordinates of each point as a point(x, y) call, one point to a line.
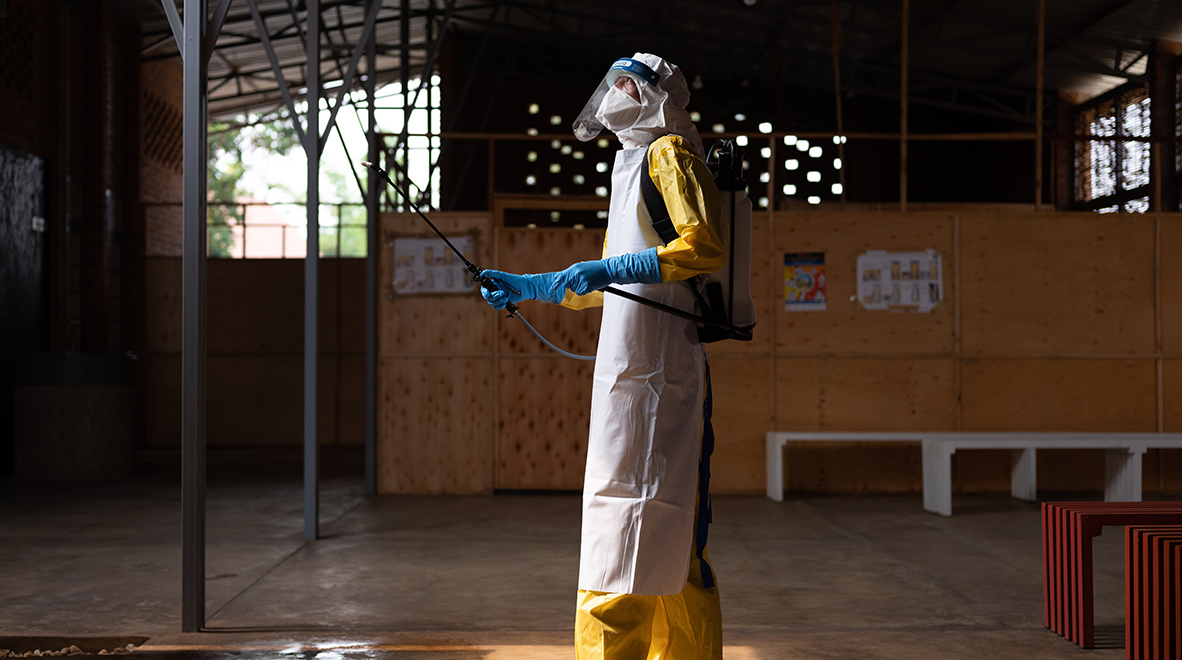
point(581, 278)
point(633, 268)
point(544, 286)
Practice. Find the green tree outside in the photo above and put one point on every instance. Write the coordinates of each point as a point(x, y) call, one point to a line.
point(227, 141)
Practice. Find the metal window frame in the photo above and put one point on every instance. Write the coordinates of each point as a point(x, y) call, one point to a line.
point(1120, 196)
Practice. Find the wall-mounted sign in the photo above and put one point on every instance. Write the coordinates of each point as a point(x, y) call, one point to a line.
point(426, 265)
point(900, 281)
point(804, 282)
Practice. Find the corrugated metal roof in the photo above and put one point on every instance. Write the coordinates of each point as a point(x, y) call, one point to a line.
point(240, 72)
point(978, 54)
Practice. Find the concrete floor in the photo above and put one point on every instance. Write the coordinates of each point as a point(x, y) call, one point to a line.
point(445, 578)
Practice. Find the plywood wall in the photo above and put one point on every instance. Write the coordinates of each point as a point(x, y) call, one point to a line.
point(846, 328)
point(256, 352)
point(1050, 321)
point(1058, 284)
point(436, 373)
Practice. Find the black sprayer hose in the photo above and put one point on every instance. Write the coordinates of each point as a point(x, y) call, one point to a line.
point(493, 285)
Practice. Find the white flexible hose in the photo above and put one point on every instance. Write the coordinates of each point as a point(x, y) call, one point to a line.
point(552, 346)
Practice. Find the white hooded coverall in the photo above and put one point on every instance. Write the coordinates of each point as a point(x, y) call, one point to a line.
point(646, 590)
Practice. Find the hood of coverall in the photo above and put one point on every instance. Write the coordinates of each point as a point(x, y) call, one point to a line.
point(662, 106)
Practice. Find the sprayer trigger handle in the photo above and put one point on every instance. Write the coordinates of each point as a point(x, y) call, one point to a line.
point(493, 285)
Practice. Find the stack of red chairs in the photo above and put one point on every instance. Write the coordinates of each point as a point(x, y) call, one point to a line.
point(1153, 592)
point(1067, 532)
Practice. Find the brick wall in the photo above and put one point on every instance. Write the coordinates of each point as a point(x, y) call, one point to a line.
point(24, 78)
point(161, 172)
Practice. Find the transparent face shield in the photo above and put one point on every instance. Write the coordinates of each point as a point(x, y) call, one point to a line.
point(612, 107)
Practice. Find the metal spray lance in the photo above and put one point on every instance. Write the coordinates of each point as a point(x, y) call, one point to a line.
point(477, 276)
point(477, 271)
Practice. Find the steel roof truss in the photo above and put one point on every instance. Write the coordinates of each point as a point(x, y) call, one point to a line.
point(347, 85)
point(178, 28)
point(215, 28)
point(280, 81)
point(1096, 66)
point(424, 77)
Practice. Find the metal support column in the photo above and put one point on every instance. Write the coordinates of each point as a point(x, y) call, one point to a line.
point(1163, 100)
point(903, 71)
point(192, 34)
point(372, 219)
point(313, 142)
point(312, 147)
point(1040, 67)
point(404, 77)
point(425, 81)
point(837, 98)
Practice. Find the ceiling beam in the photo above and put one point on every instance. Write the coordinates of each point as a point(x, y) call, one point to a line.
point(1055, 39)
point(283, 34)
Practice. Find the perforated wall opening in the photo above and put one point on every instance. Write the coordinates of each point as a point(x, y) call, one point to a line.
point(16, 52)
point(162, 126)
point(1178, 118)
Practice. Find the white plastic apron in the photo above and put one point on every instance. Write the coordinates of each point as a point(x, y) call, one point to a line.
point(646, 421)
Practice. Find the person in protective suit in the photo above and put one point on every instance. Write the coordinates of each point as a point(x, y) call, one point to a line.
point(646, 588)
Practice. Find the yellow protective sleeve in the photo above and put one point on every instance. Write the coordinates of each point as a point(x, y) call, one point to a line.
point(694, 207)
point(593, 299)
point(575, 301)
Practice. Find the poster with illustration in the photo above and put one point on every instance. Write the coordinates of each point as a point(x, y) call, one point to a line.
point(426, 265)
point(900, 281)
point(804, 282)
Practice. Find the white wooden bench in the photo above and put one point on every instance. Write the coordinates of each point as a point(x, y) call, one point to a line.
point(1122, 459)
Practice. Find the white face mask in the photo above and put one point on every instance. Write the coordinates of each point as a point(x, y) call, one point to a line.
point(618, 110)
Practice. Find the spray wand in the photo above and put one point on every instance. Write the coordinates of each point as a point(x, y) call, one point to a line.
point(477, 271)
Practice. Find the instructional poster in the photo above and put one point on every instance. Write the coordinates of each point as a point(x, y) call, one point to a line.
point(427, 265)
point(900, 281)
point(804, 282)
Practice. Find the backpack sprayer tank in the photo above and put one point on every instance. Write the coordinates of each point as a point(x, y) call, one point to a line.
point(727, 291)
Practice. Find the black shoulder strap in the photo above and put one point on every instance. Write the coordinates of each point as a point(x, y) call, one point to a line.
point(713, 323)
point(657, 210)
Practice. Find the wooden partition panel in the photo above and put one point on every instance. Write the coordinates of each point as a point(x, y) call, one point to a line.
point(545, 398)
point(847, 368)
point(436, 372)
point(544, 412)
point(260, 396)
point(861, 394)
point(1057, 283)
point(1070, 394)
point(1171, 283)
point(436, 421)
point(161, 374)
point(742, 415)
point(162, 309)
point(430, 324)
point(846, 327)
point(1172, 394)
point(866, 394)
point(255, 352)
point(1050, 321)
point(540, 251)
point(1163, 467)
point(260, 309)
